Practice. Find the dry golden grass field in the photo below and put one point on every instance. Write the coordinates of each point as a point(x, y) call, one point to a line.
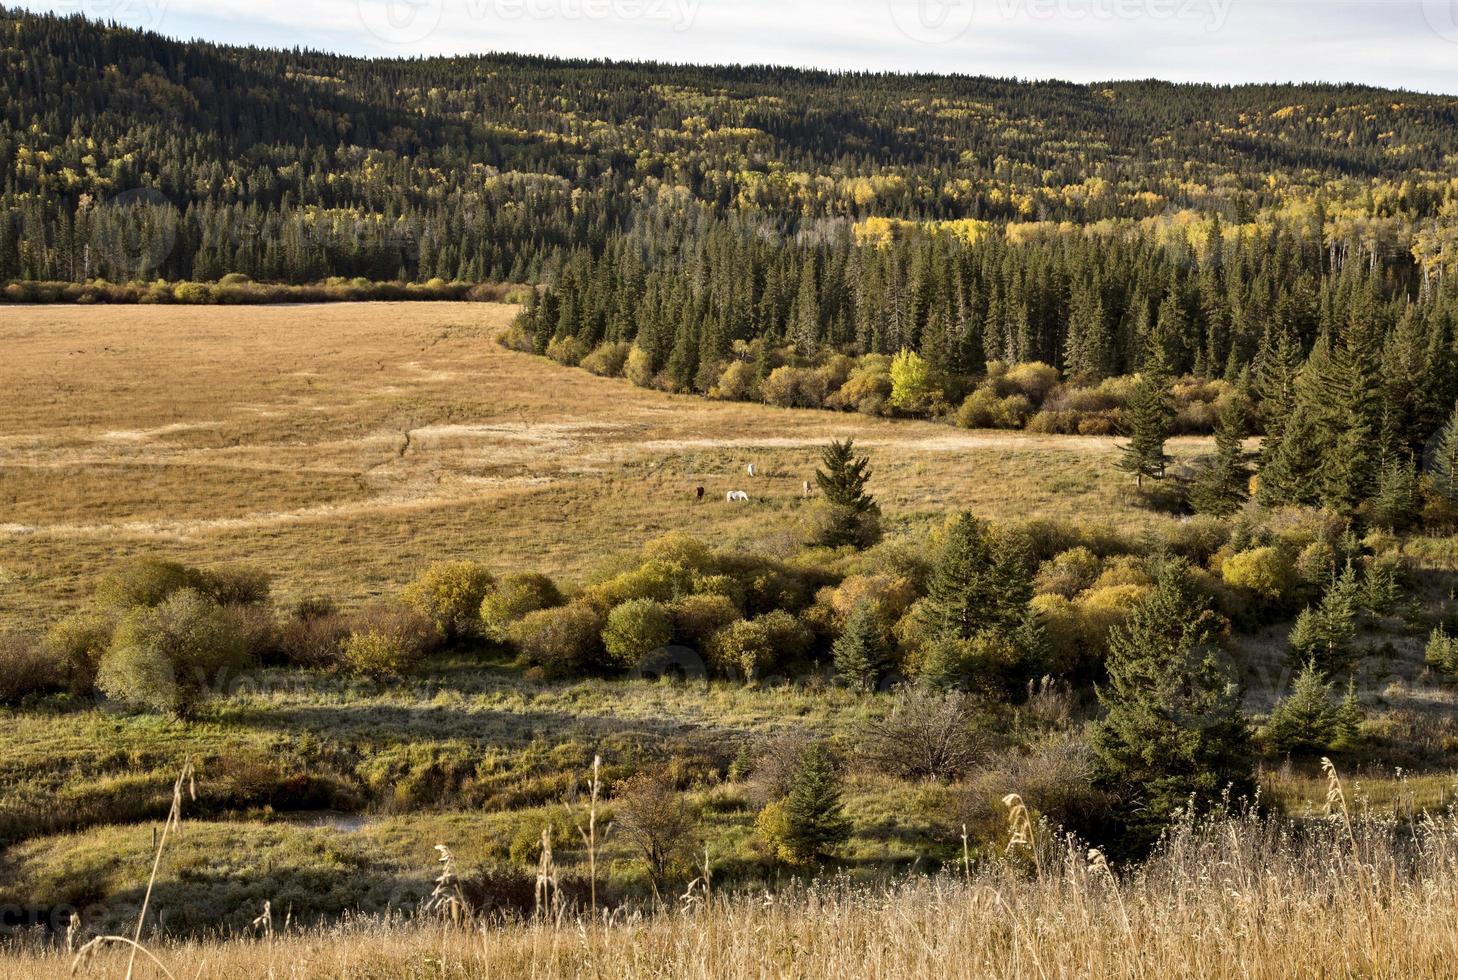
point(345, 446)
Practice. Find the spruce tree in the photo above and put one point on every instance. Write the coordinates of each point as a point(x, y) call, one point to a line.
point(1443, 462)
point(843, 478)
point(1147, 424)
point(1223, 485)
point(1173, 733)
point(815, 822)
point(1305, 719)
point(860, 653)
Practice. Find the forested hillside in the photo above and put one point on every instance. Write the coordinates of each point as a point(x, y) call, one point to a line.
point(293, 166)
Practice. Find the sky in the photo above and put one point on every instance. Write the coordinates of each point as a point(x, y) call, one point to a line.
point(1409, 44)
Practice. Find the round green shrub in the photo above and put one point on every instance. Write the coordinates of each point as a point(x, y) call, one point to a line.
point(561, 642)
point(635, 629)
point(515, 597)
point(171, 657)
point(449, 594)
point(144, 582)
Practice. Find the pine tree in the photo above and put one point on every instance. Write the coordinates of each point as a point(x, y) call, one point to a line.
point(1305, 719)
point(1224, 484)
point(860, 653)
point(1173, 733)
point(815, 822)
point(1147, 424)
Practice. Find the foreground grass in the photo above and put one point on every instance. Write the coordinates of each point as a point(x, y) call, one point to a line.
point(1232, 898)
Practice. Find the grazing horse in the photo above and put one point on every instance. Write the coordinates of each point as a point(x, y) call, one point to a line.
point(699, 495)
point(737, 496)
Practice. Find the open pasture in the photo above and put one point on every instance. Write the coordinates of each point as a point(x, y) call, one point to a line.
point(343, 447)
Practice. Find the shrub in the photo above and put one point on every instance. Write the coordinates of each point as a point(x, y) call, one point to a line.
point(696, 618)
point(144, 582)
point(1033, 379)
point(868, 388)
point(792, 387)
point(515, 597)
point(168, 658)
point(639, 368)
point(562, 642)
point(750, 648)
point(607, 359)
point(635, 629)
point(449, 594)
point(889, 595)
point(1268, 572)
point(77, 644)
point(259, 629)
point(567, 350)
point(736, 383)
point(386, 640)
point(659, 580)
point(26, 668)
point(1069, 572)
point(985, 409)
point(235, 585)
point(926, 735)
point(312, 636)
point(1102, 609)
point(657, 822)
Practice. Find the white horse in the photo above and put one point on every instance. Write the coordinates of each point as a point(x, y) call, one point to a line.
point(750, 469)
point(736, 496)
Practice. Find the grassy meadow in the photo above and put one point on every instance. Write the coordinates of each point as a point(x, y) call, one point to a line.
point(346, 446)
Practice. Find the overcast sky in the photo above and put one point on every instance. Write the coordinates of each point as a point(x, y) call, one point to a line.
point(1399, 43)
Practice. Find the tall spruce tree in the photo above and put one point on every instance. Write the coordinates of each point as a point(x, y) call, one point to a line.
point(842, 477)
point(1173, 733)
point(1148, 418)
point(861, 652)
point(1224, 484)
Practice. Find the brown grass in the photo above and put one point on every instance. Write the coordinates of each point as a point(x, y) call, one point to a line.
point(1232, 898)
point(345, 446)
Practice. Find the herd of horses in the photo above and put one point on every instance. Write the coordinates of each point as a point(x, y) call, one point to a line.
point(740, 496)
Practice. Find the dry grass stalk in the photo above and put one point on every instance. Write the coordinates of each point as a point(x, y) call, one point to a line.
point(185, 779)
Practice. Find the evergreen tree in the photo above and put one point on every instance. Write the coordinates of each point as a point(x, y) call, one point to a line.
point(1173, 733)
point(842, 477)
point(1324, 635)
point(815, 822)
point(1224, 484)
point(1349, 718)
point(1443, 463)
point(1147, 424)
point(1305, 719)
point(860, 653)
